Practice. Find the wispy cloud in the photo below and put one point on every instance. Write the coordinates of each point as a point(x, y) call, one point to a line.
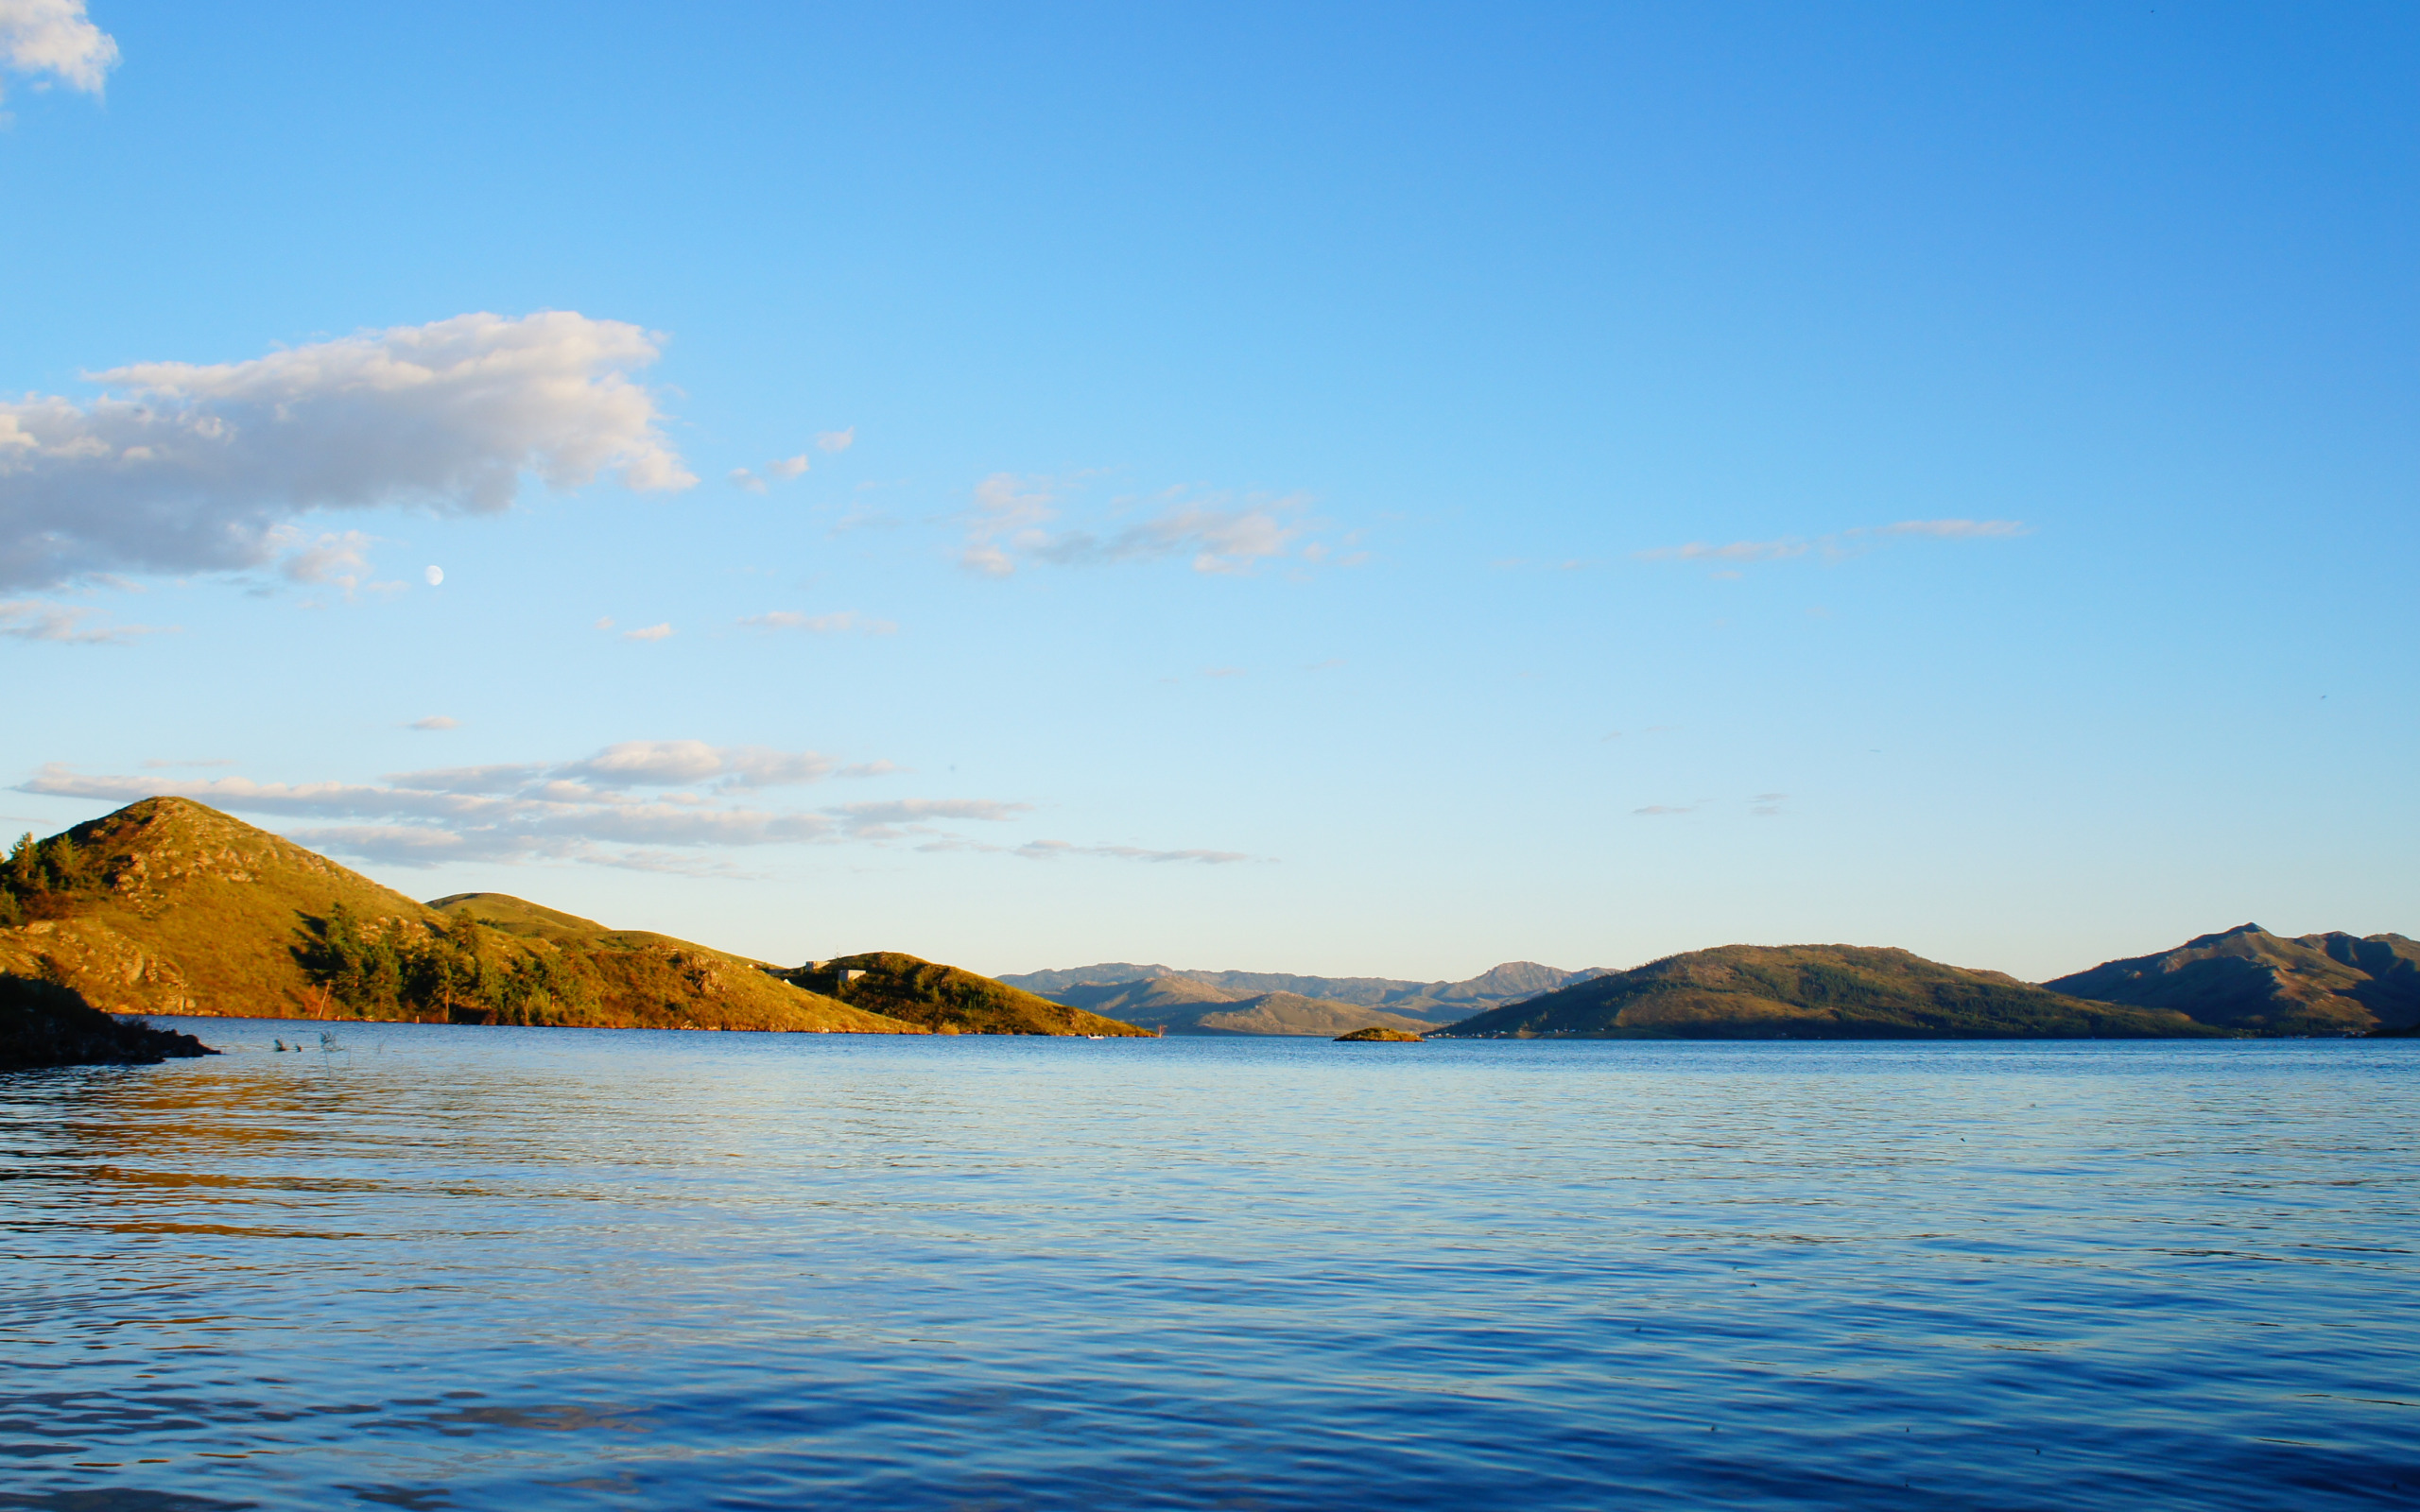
point(44, 40)
point(436, 722)
point(184, 467)
point(1013, 519)
point(846, 622)
point(1837, 545)
point(781, 470)
point(30, 619)
point(1053, 850)
point(617, 807)
point(653, 632)
point(1660, 810)
point(836, 440)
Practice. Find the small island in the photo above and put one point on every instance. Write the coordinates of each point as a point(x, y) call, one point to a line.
point(1378, 1034)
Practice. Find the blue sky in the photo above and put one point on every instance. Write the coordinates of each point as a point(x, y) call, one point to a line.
point(1377, 490)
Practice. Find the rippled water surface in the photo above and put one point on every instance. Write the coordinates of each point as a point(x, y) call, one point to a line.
point(467, 1268)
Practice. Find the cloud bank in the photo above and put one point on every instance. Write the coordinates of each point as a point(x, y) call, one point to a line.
point(47, 40)
point(181, 468)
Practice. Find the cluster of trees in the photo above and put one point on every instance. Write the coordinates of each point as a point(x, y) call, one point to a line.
point(465, 973)
point(41, 879)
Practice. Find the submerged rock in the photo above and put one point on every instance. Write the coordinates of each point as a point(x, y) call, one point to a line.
point(42, 1024)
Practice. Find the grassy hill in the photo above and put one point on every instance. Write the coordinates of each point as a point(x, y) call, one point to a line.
point(1813, 992)
point(2249, 979)
point(949, 1000)
point(168, 906)
point(172, 907)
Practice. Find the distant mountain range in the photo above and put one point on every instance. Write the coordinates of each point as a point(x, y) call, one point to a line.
point(2247, 978)
point(1431, 1003)
point(1180, 1006)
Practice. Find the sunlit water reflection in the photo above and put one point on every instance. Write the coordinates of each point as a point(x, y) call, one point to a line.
point(470, 1268)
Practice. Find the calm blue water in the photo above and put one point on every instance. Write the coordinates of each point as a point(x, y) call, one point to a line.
point(471, 1269)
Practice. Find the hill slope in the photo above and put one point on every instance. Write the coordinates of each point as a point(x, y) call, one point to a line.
point(2247, 978)
point(637, 979)
point(947, 999)
point(1436, 1002)
point(167, 906)
point(1812, 992)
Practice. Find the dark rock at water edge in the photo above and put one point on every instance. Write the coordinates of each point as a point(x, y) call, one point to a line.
point(1379, 1034)
point(42, 1024)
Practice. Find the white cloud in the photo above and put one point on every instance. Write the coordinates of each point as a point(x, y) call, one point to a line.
point(742, 478)
point(31, 619)
point(605, 622)
point(1839, 544)
point(836, 440)
point(788, 467)
point(841, 622)
point(1220, 534)
point(184, 468)
point(436, 722)
point(653, 632)
point(55, 38)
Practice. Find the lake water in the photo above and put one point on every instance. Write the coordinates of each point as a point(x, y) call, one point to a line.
point(447, 1268)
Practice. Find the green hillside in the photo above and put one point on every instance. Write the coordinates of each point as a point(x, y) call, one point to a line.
point(947, 999)
point(1812, 992)
point(168, 906)
point(2247, 978)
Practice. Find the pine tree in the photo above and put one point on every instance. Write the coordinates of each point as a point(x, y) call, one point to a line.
point(24, 865)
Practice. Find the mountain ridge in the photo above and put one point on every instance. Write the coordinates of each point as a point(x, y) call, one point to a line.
point(2247, 978)
point(1813, 992)
point(1434, 1002)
